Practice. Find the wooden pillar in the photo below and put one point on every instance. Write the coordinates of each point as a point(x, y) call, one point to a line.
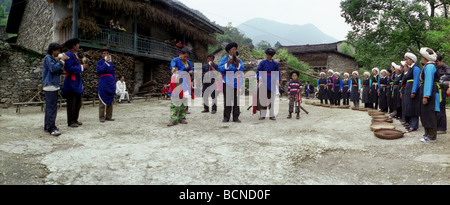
point(75, 19)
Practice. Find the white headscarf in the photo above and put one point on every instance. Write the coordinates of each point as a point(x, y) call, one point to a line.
point(411, 56)
point(367, 73)
point(428, 56)
point(346, 74)
point(378, 70)
point(355, 72)
point(322, 73)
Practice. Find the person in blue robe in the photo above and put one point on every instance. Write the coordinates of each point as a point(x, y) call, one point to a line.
point(232, 69)
point(268, 76)
point(182, 70)
point(72, 88)
point(431, 98)
point(106, 86)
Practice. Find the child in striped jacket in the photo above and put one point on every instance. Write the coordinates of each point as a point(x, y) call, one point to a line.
point(294, 87)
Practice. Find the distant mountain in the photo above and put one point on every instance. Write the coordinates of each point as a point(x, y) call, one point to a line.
point(259, 29)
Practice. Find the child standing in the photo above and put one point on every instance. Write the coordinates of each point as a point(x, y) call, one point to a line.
point(294, 94)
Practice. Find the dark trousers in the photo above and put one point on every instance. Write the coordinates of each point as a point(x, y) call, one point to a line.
point(73, 107)
point(442, 116)
point(51, 108)
point(231, 102)
point(207, 88)
point(102, 108)
point(413, 122)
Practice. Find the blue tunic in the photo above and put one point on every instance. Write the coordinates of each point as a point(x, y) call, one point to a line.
point(269, 71)
point(72, 82)
point(107, 82)
point(229, 76)
point(183, 71)
point(429, 81)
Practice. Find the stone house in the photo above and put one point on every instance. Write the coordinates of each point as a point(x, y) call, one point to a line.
point(323, 57)
point(147, 41)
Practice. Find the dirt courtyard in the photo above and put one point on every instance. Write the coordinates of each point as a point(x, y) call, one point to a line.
point(328, 146)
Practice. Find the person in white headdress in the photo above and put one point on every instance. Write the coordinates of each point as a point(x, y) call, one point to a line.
point(366, 90)
point(355, 88)
point(429, 87)
point(322, 86)
point(374, 89)
point(346, 88)
point(337, 89)
point(330, 84)
point(411, 102)
point(383, 90)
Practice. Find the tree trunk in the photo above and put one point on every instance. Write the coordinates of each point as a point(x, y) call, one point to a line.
point(445, 10)
point(432, 7)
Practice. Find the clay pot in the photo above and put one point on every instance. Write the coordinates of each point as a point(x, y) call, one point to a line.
point(381, 125)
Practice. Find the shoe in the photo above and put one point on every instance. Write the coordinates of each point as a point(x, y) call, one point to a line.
point(443, 132)
point(129, 101)
point(297, 117)
point(213, 112)
point(187, 112)
point(120, 102)
point(410, 130)
point(182, 121)
point(79, 123)
point(110, 119)
point(262, 118)
point(272, 118)
point(426, 139)
point(73, 125)
point(172, 123)
point(55, 133)
point(237, 121)
point(225, 120)
point(205, 111)
point(102, 120)
point(289, 116)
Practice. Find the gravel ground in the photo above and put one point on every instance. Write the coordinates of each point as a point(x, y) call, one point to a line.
point(328, 146)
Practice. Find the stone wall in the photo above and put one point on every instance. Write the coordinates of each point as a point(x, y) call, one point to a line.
point(341, 63)
point(36, 28)
point(20, 74)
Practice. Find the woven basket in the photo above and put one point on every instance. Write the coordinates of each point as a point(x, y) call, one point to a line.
point(388, 134)
point(381, 125)
point(380, 117)
point(388, 120)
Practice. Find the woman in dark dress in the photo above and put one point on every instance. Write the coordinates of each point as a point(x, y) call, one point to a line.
point(410, 98)
point(355, 89)
point(374, 89)
point(383, 98)
point(366, 90)
point(322, 86)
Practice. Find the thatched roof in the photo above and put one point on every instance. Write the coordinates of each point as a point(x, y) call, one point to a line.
point(318, 48)
point(168, 13)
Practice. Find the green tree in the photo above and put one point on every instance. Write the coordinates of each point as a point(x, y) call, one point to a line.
point(383, 30)
point(263, 45)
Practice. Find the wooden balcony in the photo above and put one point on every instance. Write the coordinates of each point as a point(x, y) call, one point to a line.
point(130, 43)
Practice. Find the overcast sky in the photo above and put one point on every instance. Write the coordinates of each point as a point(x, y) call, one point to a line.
point(324, 14)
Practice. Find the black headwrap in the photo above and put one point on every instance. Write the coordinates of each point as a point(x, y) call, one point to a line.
point(270, 51)
point(231, 45)
point(71, 42)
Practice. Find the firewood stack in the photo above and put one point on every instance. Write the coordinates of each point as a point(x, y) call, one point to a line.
point(161, 76)
point(123, 65)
